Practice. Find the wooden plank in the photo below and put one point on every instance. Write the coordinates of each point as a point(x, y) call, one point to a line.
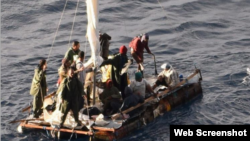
point(103, 129)
point(47, 96)
point(55, 129)
point(22, 120)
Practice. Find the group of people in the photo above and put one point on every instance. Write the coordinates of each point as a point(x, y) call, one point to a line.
point(119, 92)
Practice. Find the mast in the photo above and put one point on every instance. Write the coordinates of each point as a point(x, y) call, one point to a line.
point(93, 37)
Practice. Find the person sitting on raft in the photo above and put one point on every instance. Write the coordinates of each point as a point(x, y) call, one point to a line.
point(169, 77)
point(130, 101)
point(140, 86)
point(111, 98)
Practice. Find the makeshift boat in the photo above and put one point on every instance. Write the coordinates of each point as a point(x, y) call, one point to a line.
point(116, 126)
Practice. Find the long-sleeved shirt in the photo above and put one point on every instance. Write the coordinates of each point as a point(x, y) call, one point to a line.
point(171, 77)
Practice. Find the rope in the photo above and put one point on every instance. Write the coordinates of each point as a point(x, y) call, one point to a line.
point(57, 29)
point(73, 131)
point(44, 127)
point(162, 9)
point(73, 22)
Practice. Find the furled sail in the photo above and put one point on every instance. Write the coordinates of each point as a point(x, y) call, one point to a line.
point(92, 32)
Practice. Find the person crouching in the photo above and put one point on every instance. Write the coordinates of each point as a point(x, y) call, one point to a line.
point(111, 98)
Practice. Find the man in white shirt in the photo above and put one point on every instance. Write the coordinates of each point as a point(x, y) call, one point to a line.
point(80, 67)
point(140, 86)
point(169, 77)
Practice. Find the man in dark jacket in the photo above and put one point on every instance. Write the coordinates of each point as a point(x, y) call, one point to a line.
point(118, 62)
point(72, 95)
point(39, 88)
point(104, 45)
point(130, 101)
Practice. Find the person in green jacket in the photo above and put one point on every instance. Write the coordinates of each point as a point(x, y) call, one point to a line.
point(117, 63)
point(72, 96)
point(39, 88)
point(72, 53)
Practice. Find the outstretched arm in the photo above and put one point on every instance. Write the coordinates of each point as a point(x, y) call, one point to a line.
point(107, 62)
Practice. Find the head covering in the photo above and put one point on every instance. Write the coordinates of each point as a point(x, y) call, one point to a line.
point(128, 91)
point(144, 36)
point(123, 49)
point(109, 83)
point(138, 76)
point(166, 66)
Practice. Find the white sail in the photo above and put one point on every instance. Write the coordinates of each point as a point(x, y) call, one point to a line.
point(92, 32)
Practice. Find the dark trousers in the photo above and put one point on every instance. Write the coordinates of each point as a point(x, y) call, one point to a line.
point(37, 105)
point(66, 106)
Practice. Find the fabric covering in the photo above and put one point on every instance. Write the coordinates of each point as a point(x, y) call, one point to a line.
point(166, 66)
point(123, 49)
point(170, 76)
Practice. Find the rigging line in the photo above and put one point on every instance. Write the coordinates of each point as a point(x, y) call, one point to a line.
point(162, 9)
point(57, 29)
point(73, 22)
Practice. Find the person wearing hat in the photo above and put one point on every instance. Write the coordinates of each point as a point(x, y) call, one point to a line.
point(111, 98)
point(169, 77)
point(137, 46)
point(71, 95)
point(140, 86)
point(117, 63)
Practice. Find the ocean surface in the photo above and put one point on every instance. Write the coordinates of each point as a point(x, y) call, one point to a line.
point(212, 35)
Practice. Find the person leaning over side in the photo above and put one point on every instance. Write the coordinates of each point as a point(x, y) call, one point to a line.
point(140, 86)
point(137, 46)
point(39, 88)
point(72, 92)
point(169, 77)
point(72, 53)
point(117, 63)
point(104, 45)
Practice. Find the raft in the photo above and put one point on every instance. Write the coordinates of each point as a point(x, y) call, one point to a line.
point(117, 128)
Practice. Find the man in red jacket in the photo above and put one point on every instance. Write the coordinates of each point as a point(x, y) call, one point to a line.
point(137, 46)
